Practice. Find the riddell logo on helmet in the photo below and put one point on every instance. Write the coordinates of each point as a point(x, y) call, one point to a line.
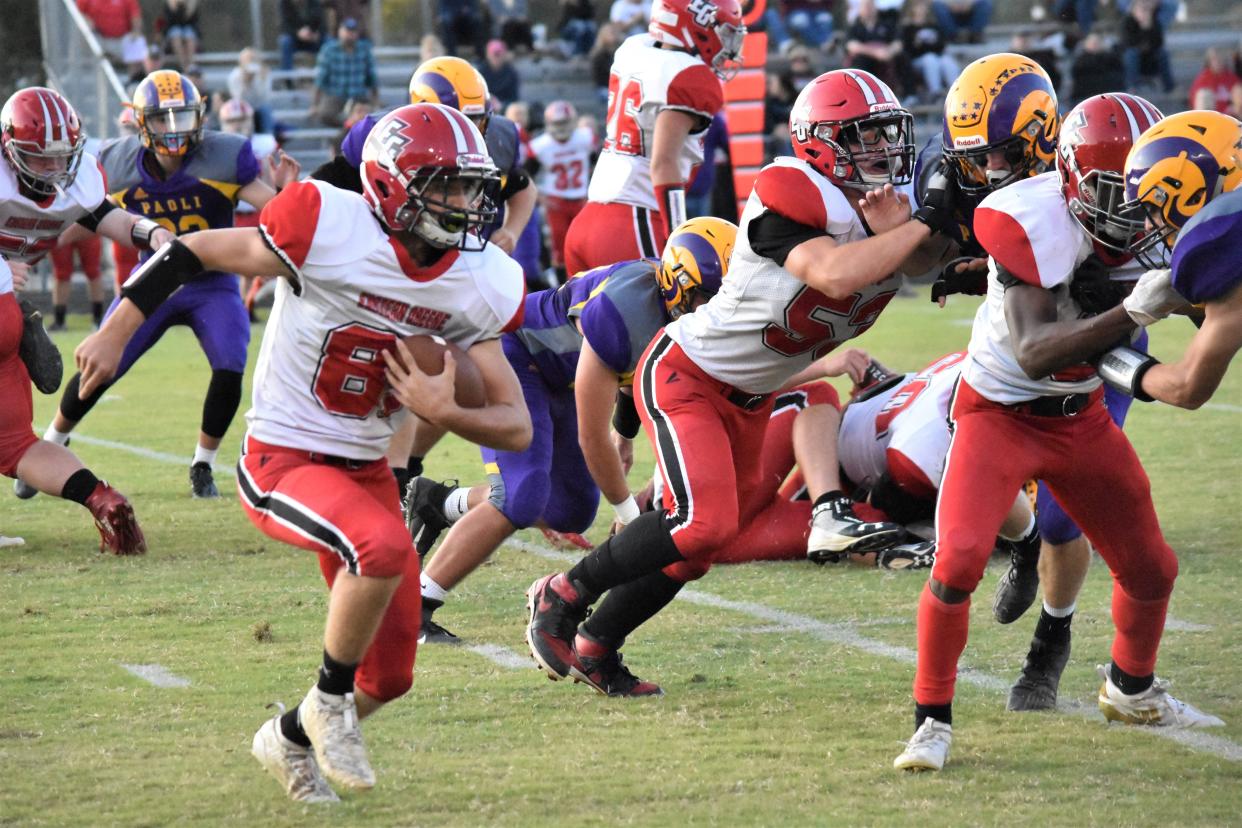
point(967, 141)
point(883, 106)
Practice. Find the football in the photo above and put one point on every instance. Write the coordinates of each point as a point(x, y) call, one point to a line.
point(428, 352)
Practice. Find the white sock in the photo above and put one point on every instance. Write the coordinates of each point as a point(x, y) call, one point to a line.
point(1064, 612)
point(205, 455)
point(431, 589)
point(455, 504)
point(60, 438)
point(1025, 533)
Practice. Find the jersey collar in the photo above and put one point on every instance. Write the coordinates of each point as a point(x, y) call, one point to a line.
point(412, 269)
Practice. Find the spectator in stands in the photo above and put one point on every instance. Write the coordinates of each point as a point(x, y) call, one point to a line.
point(513, 24)
point(212, 99)
point(632, 16)
point(778, 101)
point(301, 29)
point(502, 79)
point(924, 42)
point(340, 10)
point(810, 21)
point(1235, 102)
point(1082, 12)
point(345, 72)
point(181, 29)
point(873, 44)
point(250, 81)
point(1166, 11)
point(1026, 43)
point(113, 21)
point(430, 47)
point(963, 20)
point(1142, 39)
point(606, 43)
point(577, 27)
point(887, 10)
point(152, 61)
point(801, 70)
point(1217, 77)
point(461, 21)
point(1097, 69)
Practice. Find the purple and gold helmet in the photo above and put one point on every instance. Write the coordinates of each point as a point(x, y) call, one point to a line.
point(695, 261)
point(1002, 103)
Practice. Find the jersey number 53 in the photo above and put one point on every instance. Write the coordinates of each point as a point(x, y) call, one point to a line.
point(818, 323)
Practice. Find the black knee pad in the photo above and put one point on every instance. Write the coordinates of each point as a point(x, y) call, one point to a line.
point(223, 398)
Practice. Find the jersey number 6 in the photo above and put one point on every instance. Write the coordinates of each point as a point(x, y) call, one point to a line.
point(349, 380)
point(818, 323)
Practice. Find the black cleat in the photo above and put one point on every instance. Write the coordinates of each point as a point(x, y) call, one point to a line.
point(556, 608)
point(202, 484)
point(917, 555)
point(1036, 688)
point(424, 511)
point(1019, 585)
point(429, 632)
point(600, 667)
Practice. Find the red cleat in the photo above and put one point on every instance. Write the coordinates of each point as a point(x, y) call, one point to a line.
point(600, 667)
point(567, 540)
point(556, 609)
point(114, 518)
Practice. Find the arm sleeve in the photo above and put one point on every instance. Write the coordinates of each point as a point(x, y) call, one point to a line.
point(91, 220)
point(774, 236)
point(517, 181)
point(247, 164)
point(604, 327)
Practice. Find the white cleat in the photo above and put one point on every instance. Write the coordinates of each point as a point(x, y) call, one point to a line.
point(836, 532)
point(293, 766)
point(927, 749)
point(1153, 707)
point(331, 723)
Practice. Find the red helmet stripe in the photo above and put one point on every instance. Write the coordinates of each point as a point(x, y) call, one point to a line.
point(459, 134)
point(869, 91)
point(1154, 115)
point(47, 119)
point(1125, 104)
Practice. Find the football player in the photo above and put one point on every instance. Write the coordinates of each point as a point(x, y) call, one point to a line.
point(1184, 176)
point(576, 349)
point(806, 275)
point(561, 159)
point(360, 273)
point(48, 182)
point(1029, 405)
point(185, 179)
point(663, 91)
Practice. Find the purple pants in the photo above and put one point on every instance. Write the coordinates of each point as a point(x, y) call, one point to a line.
point(550, 479)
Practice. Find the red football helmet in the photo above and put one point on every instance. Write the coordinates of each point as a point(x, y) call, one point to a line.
point(415, 160)
point(42, 138)
point(850, 126)
point(711, 29)
point(1096, 136)
point(560, 118)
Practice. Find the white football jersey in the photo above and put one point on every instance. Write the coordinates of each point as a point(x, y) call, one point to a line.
point(644, 81)
point(1029, 227)
point(765, 325)
point(564, 166)
point(28, 229)
point(319, 383)
point(911, 418)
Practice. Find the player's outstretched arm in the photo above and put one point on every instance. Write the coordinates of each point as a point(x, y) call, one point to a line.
point(838, 270)
point(240, 251)
point(1042, 345)
point(595, 395)
point(1191, 381)
point(503, 424)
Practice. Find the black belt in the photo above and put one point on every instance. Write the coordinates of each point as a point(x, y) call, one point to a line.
point(1068, 405)
point(743, 400)
point(333, 460)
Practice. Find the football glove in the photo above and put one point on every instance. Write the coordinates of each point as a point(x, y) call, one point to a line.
point(972, 282)
point(1093, 290)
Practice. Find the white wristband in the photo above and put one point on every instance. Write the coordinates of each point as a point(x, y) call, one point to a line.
point(627, 510)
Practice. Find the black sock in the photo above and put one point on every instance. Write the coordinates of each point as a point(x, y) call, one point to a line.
point(942, 713)
point(292, 730)
point(76, 409)
point(1052, 629)
point(430, 605)
point(335, 678)
point(58, 313)
point(643, 547)
point(415, 468)
point(224, 394)
point(79, 486)
point(629, 606)
point(97, 312)
point(403, 478)
point(827, 496)
point(1128, 684)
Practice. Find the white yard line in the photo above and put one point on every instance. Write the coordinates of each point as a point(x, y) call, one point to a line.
point(150, 454)
point(845, 634)
point(1237, 409)
point(156, 674)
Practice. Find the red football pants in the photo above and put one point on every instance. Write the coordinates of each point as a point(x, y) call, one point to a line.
point(709, 452)
point(1094, 473)
point(561, 212)
point(604, 234)
point(16, 403)
point(352, 518)
point(88, 250)
point(125, 259)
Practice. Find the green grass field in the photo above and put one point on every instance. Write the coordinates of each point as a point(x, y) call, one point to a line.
point(788, 686)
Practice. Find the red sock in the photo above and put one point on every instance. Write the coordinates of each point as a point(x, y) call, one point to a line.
point(942, 633)
point(1139, 627)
